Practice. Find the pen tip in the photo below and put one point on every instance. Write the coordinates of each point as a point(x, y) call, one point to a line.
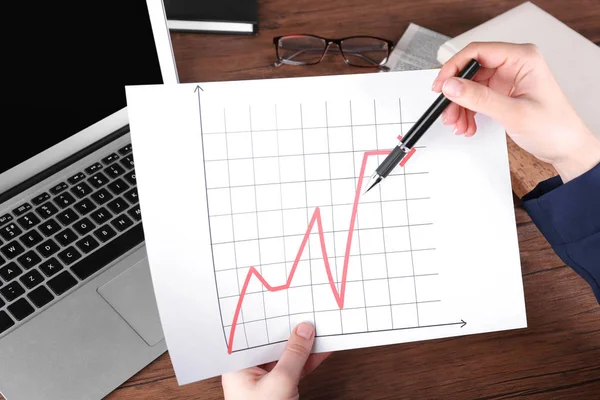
point(377, 180)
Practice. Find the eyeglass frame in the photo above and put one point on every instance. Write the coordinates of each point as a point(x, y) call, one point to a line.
point(328, 43)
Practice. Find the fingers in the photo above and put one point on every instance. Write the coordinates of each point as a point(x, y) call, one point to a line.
point(461, 123)
point(471, 124)
point(490, 55)
point(479, 98)
point(292, 361)
point(451, 114)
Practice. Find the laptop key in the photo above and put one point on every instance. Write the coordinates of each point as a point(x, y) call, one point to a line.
point(22, 209)
point(105, 233)
point(93, 168)
point(125, 150)
point(84, 206)
point(11, 291)
point(31, 238)
point(28, 220)
point(29, 259)
point(40, 199)
point(5, 321)
point(98, 180)
point(10, 272)
point(127, 162)
point(64, 200)
point(110, 158)
point(114, 170)
point(50, 267)
point(104, 255)
point(20, 309)
point(49, 227)
point(87, 244)
point(62, 282)
point(12, 249)
point(118, 205)
point(58, 188)
point(66, 237)
point(47, 210)
point(10, 231)
point(132, 196)
point(101, 196)
point(31, 279)
point(76, 178)
point(81, 190)
point(69, 255)
point(130, 177)
point(135, 213)
point(40, 297)
point(84, 226)
point(118, 186)
point(101, 215)
point(5, 218)
point(48, 248)
point(67, 217)
point(122, 222)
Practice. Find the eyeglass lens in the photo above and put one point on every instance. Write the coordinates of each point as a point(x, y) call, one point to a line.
point(359, 51)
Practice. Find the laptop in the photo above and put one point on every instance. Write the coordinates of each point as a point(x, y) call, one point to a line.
point(78, 315)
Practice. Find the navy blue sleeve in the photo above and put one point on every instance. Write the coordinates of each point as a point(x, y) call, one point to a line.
point(568, 215)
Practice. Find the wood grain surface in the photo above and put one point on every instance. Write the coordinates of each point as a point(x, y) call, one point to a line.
point(556, 357)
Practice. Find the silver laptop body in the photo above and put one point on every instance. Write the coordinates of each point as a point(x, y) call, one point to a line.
point(77, 310)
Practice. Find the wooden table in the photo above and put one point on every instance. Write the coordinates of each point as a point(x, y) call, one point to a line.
point(555, 357)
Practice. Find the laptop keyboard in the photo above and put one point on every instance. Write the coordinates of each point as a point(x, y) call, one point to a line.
point(54, 242)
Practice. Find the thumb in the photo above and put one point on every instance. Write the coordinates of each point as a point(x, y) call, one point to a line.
point(296, 352)
point(479, 98)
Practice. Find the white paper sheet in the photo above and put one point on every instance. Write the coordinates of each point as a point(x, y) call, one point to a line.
point(231, 174)
point(416, 49)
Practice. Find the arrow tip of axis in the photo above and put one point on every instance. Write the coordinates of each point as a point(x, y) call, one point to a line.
point(463, 323)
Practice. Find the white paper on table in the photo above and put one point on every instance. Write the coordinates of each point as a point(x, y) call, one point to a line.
point(416, 49)
point(274, 152)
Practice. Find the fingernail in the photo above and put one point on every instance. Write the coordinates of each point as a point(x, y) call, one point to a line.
point(452, 87)
point(434, 83)
point(455, 131)
point(305, 330)
point(444, 118)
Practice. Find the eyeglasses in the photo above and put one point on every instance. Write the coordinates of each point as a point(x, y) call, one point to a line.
point(358, 51)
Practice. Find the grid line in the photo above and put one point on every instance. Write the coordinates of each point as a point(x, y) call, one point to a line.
point(362, 277)
point(324, 311)
point(237, 275)
point(324, 232)
point(308, 180)
point(260, 266)
point(308, 128)
point(297, 155)
point(412, 261)
point(387, 271)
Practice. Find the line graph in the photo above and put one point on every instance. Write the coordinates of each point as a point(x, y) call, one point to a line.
point(316, 217)
point(288, 243)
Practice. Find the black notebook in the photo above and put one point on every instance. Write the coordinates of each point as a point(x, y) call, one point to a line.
point(212, 16)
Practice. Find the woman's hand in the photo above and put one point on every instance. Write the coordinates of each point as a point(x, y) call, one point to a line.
point(516, 87)
point(277, 380)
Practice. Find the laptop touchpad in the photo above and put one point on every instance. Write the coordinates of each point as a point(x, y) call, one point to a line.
point(132, 296)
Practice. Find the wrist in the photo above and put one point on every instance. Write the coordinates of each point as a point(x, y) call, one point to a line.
point(583, 159)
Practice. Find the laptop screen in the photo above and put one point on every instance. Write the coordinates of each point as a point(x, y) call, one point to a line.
point(65, 66)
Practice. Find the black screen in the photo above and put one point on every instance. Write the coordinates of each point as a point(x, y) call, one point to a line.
point(65, 66)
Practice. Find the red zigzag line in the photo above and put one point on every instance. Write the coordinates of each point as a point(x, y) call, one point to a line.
point(316, 217)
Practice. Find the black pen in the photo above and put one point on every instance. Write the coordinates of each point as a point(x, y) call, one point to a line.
point(405, 147)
